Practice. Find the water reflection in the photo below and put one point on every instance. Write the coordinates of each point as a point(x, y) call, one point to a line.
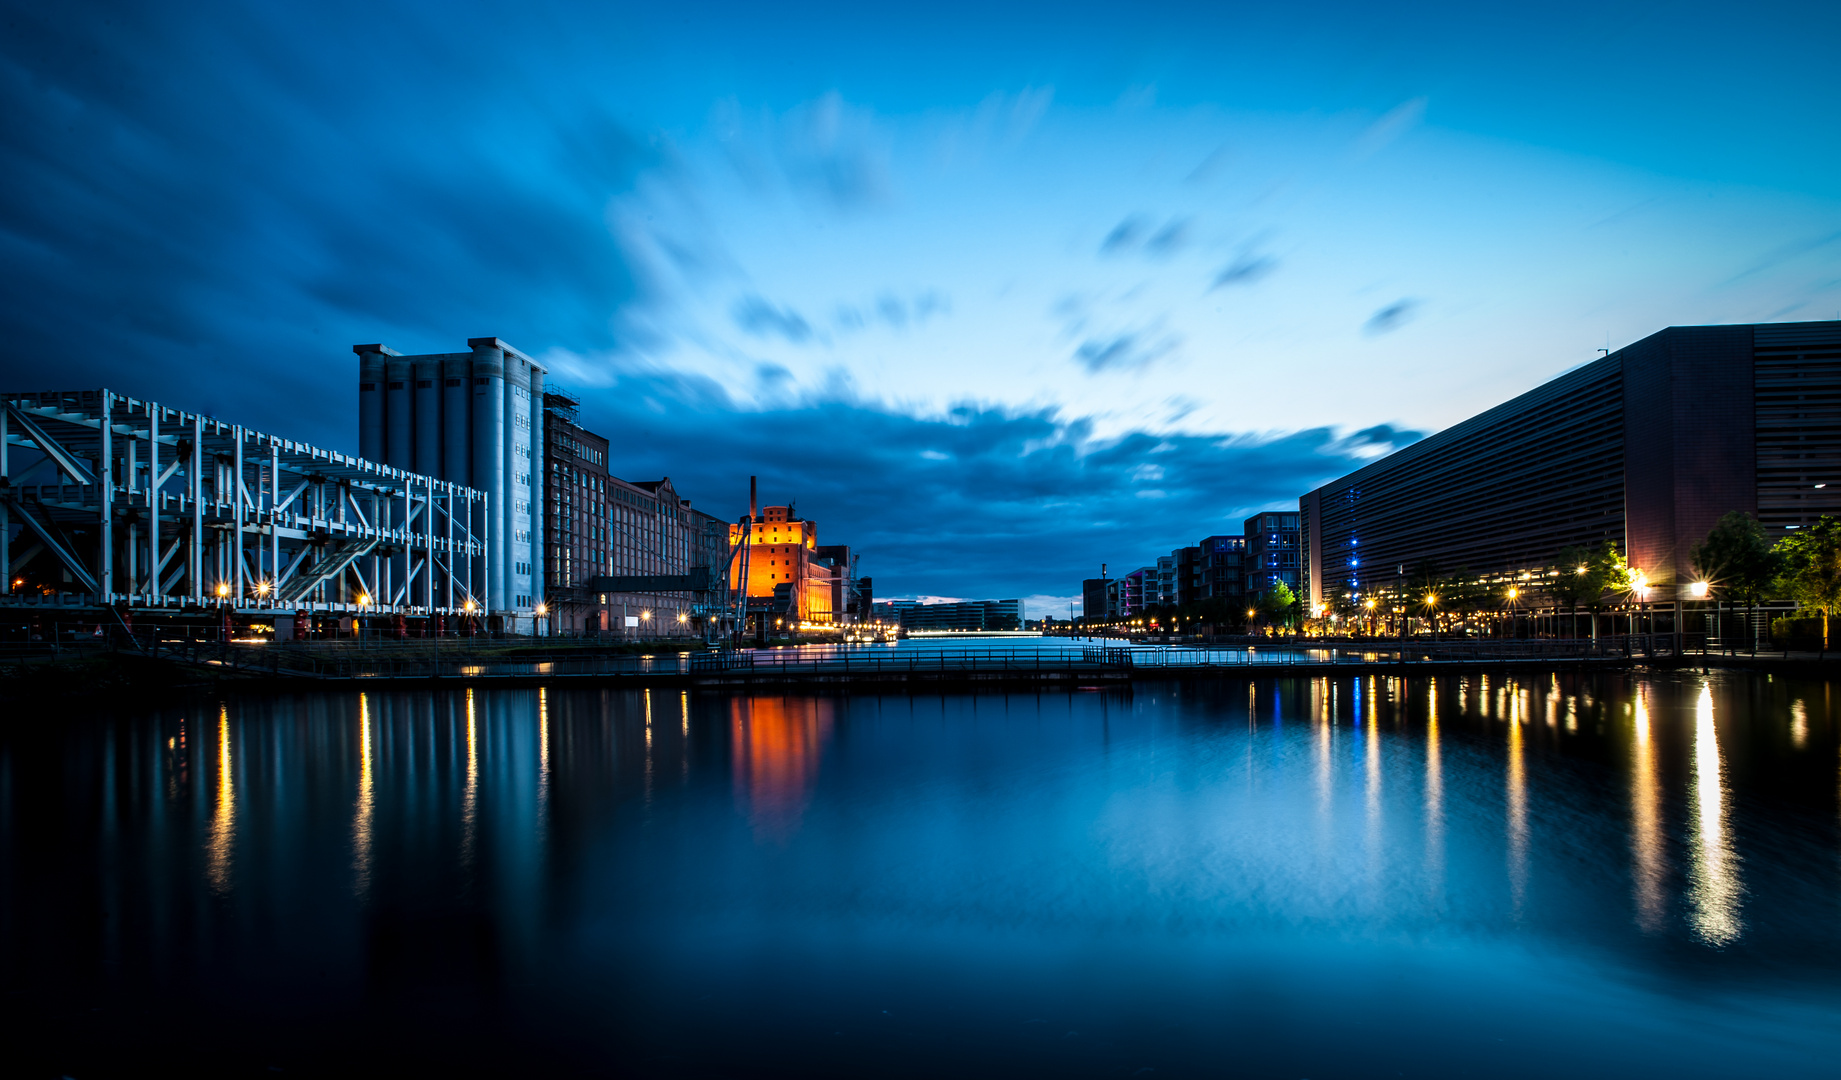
point(777, 743)
point(224, 811)
point(1434, 798)
point(1645, 821)
point(1517, 815)
point(1713, 867)
point(822, 859)
point(469, 799)
point(366, 806)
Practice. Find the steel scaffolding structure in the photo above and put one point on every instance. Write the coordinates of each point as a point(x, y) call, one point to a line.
point(154, 507)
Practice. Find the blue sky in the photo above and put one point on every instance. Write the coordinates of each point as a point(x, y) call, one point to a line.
point(996, 293)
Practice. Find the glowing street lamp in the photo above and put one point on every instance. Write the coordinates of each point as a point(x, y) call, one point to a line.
point(1698, 590)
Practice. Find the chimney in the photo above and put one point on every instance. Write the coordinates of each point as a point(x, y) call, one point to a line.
point(754, 509)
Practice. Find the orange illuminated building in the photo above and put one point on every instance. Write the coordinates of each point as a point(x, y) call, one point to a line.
point(782, 567)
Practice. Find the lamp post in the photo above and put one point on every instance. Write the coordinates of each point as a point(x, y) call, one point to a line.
point(1698, 590)
point(1512, 594)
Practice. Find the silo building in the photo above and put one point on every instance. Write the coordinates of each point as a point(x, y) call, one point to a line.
point(471, 418)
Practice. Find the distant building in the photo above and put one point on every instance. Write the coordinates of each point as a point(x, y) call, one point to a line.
point(1137, 589)
point(1165, 592)
point(965, 615)
point(888, 612)
point(1099, 598)
point(1273, 549)
point(1222, 568)
point(850, 598)
point(1189, 580)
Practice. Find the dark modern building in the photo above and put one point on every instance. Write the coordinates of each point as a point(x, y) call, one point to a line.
point(1646, 447)
point(1273, 551)
point(1222, 568)
point(1099, 598)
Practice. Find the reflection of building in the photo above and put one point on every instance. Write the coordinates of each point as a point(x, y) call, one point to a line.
point(965, 615)
point(468, 418)
point(1646, 447)
point(1271, 551)
point(776, 746)
point(784, 573)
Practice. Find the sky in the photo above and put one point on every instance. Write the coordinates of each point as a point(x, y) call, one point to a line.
point(994, 293)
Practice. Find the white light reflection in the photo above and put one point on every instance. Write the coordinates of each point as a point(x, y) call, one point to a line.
point(1646, 849)
point(1713, 872)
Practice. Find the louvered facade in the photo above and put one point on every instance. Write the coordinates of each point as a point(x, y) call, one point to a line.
point(1646, 447)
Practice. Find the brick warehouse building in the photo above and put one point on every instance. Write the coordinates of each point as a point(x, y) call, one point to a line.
point(1646, 447)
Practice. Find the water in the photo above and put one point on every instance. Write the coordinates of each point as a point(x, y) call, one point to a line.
point(1604, 875)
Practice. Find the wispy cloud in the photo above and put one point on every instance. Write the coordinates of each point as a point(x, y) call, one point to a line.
point(1392, 317)
point(1127, 351)
point(755, 315)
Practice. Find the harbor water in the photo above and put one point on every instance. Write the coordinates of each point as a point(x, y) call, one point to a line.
point(1509, 874)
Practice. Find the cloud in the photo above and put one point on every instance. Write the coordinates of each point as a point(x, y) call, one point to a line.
point(1392, 317)
point(1169, 239)
point(1397, 121)
point(1127, 351)
point(220, 240)
point(756, 316)
point(1124, 236)
point(834, 152)
point(894, 311)
point(1135, 232)
point(997, 486)
point(1246, 270)
point(1785, 253)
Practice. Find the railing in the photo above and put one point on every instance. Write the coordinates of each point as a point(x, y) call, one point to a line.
point(344, 661)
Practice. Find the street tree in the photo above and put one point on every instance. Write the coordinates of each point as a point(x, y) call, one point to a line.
point(1809, 568)
point(1736, 560)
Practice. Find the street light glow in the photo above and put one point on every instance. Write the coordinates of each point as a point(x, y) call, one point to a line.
point(1698, 590)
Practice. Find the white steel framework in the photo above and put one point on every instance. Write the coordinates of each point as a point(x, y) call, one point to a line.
point(155, 507)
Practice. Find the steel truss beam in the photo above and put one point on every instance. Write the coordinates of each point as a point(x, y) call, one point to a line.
point(185, 510)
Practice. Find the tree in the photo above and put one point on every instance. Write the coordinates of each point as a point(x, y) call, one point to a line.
point(1737, 558)
point(1810, 568)
point(1583, 574)
point(1277, 601)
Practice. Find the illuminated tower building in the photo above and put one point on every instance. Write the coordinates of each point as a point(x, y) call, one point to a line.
point(784, 574)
